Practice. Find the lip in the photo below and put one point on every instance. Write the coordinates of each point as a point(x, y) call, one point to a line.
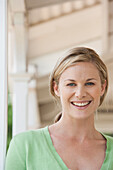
point(79, 102)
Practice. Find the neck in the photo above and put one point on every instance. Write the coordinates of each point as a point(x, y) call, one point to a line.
point(79, 129)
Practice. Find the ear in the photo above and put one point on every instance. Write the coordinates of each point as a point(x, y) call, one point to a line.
point(103, 88)
point(56, 88)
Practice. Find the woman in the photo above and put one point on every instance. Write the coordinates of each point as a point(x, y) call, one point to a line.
point(80, 81)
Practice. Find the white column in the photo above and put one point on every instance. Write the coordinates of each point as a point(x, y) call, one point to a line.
point(3, 81)
point(20, 102)
point(20, 76)
point(33, 107)
point(20, 42)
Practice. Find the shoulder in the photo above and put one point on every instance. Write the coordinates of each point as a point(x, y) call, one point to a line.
point(109, 138)
point(109, 142)
point(30, 134)
point(28, 138)
point(23, 146)
point(27, 134)
point(22, 142)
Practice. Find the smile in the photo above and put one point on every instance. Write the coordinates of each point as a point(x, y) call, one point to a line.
point(81, 104)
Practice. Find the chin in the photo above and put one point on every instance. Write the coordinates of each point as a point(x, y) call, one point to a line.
point(81, 115)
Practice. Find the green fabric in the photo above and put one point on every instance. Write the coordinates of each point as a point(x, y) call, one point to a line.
point(33, 150)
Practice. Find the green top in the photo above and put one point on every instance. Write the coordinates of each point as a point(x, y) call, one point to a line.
point(33, 150)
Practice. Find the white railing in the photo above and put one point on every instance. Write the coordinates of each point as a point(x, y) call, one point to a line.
point(3, 82)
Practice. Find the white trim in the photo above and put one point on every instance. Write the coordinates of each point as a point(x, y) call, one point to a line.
point(3, 82)
point(17, 5)
point(105, 26)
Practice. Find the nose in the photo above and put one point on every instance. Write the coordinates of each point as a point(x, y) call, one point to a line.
point(80, 92)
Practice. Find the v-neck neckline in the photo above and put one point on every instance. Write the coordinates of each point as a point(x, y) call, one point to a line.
point(53, 150)
point(107, 150)
point(59, 159)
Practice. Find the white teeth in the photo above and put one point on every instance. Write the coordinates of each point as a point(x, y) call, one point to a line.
point(81, 104)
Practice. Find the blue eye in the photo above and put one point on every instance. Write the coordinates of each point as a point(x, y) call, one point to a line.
point(71, 84)
point(89, 84)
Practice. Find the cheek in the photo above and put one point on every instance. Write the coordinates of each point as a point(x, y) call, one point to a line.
point(96, 93)
point(66, 92)
point(65, 95)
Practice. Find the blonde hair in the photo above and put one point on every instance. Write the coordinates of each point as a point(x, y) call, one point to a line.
point(74, 55)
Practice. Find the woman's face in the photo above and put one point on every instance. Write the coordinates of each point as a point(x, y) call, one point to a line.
point(79, 90)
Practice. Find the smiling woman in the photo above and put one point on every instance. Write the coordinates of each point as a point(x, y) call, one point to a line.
point(80, 81)
point(80, 85)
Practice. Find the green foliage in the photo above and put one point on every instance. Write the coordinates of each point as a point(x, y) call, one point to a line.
point(9, 136)
point(109, 134)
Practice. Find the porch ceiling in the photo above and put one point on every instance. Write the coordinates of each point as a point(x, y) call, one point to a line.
point(43, 11)
point(38, 11)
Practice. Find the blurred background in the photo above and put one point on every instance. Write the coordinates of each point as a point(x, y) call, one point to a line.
point(39, 31)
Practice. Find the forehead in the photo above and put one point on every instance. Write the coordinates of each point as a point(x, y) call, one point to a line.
point(81, 70)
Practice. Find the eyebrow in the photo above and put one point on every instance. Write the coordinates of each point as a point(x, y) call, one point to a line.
point(75, 80)
point(91, 79)
point(70, 80)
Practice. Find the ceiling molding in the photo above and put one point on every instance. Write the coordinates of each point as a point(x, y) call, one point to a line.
point(31, 4)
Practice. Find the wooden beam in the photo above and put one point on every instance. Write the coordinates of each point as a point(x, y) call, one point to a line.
point(31, 4)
